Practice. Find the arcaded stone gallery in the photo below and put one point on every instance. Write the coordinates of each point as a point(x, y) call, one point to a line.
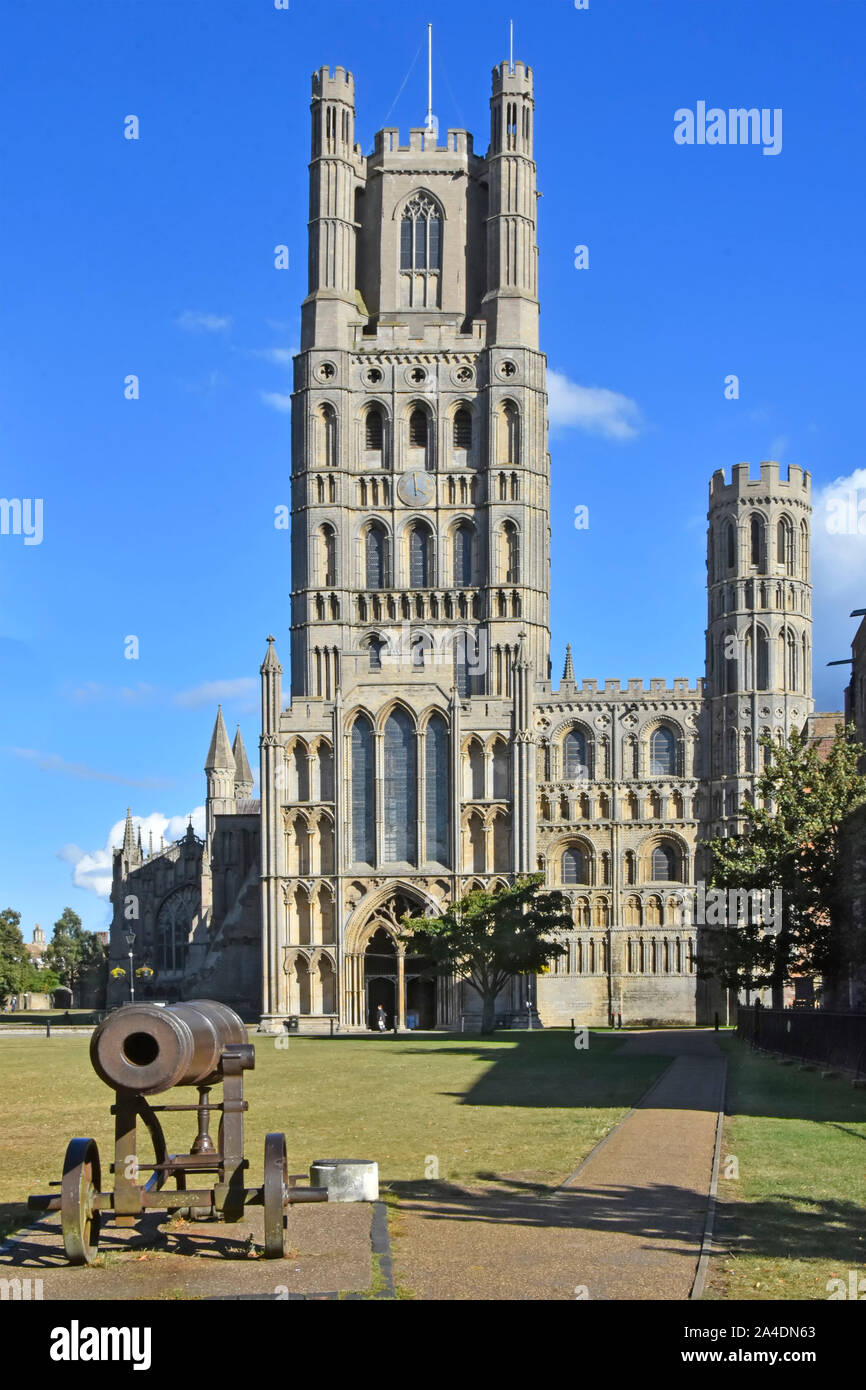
point(418, 746)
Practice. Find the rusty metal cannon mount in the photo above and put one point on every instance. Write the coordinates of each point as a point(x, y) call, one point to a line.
point(142, 1050)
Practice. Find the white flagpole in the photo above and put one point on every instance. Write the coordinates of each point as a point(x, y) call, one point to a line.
point(429, 76)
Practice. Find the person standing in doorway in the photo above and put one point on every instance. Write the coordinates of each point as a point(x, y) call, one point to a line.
point(381, 1020)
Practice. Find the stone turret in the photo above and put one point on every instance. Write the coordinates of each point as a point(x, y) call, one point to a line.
point(243, 771)
point(759, 625)
point(220, 770)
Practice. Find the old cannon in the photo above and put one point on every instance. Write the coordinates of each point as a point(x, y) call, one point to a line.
point(142, 1050)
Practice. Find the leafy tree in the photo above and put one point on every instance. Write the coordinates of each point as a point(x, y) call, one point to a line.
point(792, 841)
point(486, 938)
point(14, 958)
point(72, 951)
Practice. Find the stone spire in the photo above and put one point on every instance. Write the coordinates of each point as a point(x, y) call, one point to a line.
point(568, 672)
point(243, 771)
point(220, 756)
point(131, 852)
point(128, 836)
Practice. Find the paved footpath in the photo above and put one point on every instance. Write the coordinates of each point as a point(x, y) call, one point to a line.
point(628, 1224)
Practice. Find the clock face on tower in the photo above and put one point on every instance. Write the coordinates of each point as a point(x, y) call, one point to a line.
point(416, 488)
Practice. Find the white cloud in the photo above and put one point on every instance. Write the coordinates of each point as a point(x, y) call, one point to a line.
point(191, 321)
point(277, 400)
point(52, 762)
point(214, 692)
point(281, 357)
point(91, 869)
point(838, 578)
point(592, 408)
point(92, 692)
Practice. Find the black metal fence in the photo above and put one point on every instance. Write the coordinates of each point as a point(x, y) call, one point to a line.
point(837, 1041)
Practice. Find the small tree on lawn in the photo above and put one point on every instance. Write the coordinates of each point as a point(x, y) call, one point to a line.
point(792, 841)
point(15, 966)
point(72, 951)
point(487, 938)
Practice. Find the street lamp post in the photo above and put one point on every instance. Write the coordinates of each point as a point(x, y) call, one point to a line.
point(130, 941)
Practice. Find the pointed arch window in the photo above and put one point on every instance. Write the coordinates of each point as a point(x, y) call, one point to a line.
point(511, 542)
point(375, 557)
point(574, 754)
point(437, 789)
point(730, 546)
point(574, 866)
point(462, 429)
point(421, 235)
point(420, 557)
point(763, 682)
point(785, 544)
point(463, 556)
point(374, 430)
point(329, 556)
point(363, 792)
point(421, 252)
point(399, 789)
point(509, 434)
point(663, 753)
point(756, 542)
point(326, 441)
point(663, 865)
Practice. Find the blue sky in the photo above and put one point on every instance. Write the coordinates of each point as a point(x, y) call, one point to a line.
point(155, 257)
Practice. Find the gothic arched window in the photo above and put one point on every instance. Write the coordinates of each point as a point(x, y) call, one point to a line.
point(363, 792)
point(329, 556)
point(785, 544)
point(420, 557)
point(574, 754)
point(509, 434)
point(463, 556)
point(730, 545)
point(421, 235)
point(399, 810)
point(420, 252)
point(374, 430)
point(663, 753)
point(462, 429)
point(663, 866)
point(756, 542)
point(437, 789)
point(574, 867)
point(511, 556)
point(326, 440)
point(375, 557)
point(763, 682)
point(173, 927)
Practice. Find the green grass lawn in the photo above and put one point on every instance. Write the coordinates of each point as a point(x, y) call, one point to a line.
point(794, 1217)
point(519, 1102)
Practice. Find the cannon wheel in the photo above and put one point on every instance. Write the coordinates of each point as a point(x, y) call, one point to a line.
point(275, 1194)
point(79, 1218)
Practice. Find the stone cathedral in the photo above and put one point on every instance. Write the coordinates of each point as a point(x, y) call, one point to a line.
point(418, 746)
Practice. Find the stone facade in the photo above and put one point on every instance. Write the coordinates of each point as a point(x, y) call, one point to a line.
point(424, 748)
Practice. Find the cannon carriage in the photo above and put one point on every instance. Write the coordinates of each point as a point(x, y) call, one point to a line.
point(143, 1050)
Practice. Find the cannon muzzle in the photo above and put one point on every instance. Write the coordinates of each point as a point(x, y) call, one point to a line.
point(148, 1049)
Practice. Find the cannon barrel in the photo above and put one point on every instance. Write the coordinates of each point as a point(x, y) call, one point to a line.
point(148, 1049)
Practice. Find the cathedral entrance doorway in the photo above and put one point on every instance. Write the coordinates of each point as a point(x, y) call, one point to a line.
point(380, 977)
point(420, 990)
